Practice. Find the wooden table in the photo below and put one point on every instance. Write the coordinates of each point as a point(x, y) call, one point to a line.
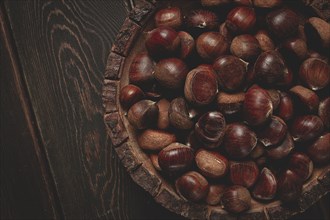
point(56, 158)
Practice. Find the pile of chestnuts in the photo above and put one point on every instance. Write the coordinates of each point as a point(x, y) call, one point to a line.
point(233, 107)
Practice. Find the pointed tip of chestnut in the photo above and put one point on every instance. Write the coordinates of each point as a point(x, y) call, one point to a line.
point(266, 185)
point(289, 186)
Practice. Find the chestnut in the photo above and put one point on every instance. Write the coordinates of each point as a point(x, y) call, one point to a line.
point(187, 43)
point(306, 97)
point(239, 140)
point(241, 19)
point(154, 161)
point(267, 3)
point(223, 30)
point(192, 186)
point(245, 47)
point(211, 45)
point(169, 17)
point(317, 32)
point(215, 193)
point(175, 158)
point(143, 114)
point(324, 112)
point(285, 107)
point(294, 49)
point(257, 151)
point(236, 199)
point(243, 2)
point(163, 119)
point(202, 20)
point(283, 22)
point(229, 104)
point(201, 86)
point(315, 73)
point(141, 70)
point(282, 150)
point(244, 173)
point(178, 114)
point(162, 42)
point(270, 68)
point(289, 186)
point(209, 3)
point(129, 95)
point(211, 164)
point(230, 71)
point(306, 128)
point(273, 133)
point(265, 42)
point(275, 97)
point(319, 151)
point(301, 165)
point(257, 106)
point(152, 139)
point(171, 73)
point(266, 185)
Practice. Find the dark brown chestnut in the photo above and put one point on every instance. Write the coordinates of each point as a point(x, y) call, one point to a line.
point(236, 199)
point(294, 49)
point(324, 112)
point(211, 164)
point(175, 158)
point(162, 42)
point(192, 186)
point(315, 73)
point(289, 186)
point(211, 45)
point(178, 114)
point(244, 173)
point(230, 71)
point(230, 104)
point(129, 95)
point(270, 68)
point(202, 20)
point(223, 30)
point(163, 119)
point(306, 128)
point(141, 70)
point(301, 165)
point(306, 97)
point(210, 129)
point(282, 150)
point(319, 151)
point(265, 42)
point(171, 73)
point(267, 3)
point(266, 185)
point(245, 47)
point(275, 97)
point(241, 19)
point(169, 17)
point(257, 106)
point(239, 140)
point(283, 22)
point(317, 33)
point(154, 161)
point(257, 151)
point(187, 44)
point(273, 132)
point(285, 109)
point(210, 3)
point(143, 114)
point(215, 193)
point(201, 86)
point(155, 140)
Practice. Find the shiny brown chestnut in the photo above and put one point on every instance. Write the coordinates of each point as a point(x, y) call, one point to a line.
point(211, 45)
point(162, 42)
point(239, 140)
point(202, 20)
point(244, 173)
point(215, 193)
point(171, 73)
point(175, 158)
point(266, 185)
point(178, 114)
point(230, 71)
point(324, 112)
point(229, 104)
point(187, 44)
point(143, 114)
point(209, 3)
point(257, 106)
point(306, 97)
point(315, 73)
point(319, 151)
point(273, 132)
point(201, 86)
point(282, 150)
point(289, 186)
point(275, 97)
point(211, 164)
point(223, 30)
point(141, 70)
point(294, 49)
point(169, 17)
point(241, 19)
point(285, 109)
point(317, 32)
point(282, 22)
point(163, 119)
point(154, 161)
point(246, 47)
point(306, 128)
point(236, 199)
point(155, 140)
point(192, 186)
point(257, 151)
point(301, 165)
point(267, 3)
point(210, 129)
point(129, 95)
point(265, 42)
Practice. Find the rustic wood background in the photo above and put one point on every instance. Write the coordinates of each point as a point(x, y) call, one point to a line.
point(56, 158)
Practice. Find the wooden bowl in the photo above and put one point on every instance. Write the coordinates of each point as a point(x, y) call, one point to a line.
point(129, 42)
